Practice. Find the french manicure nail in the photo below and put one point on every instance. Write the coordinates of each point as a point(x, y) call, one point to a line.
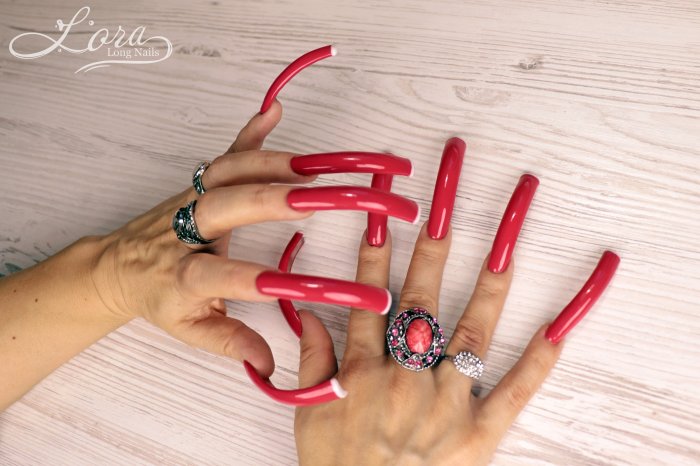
point(585, 299)
point(446, 188)
point(290, 71)
point(511, 223)
point(324, 392)
point(377, 223)
point(290, 313)
point(351, 162)
point(353, 198)
point(324, 290)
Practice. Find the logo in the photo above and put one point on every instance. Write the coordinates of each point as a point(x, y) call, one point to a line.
point(118, 48)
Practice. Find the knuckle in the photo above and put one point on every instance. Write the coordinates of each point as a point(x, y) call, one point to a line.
point(418, 297)
point(470, 336)
point(188, 271)
point(517, 395)
point(261, 195)
point(491, 289)
point(426, 253)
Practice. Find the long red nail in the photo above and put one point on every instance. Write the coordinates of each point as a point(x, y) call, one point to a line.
point(585, 299)
point(324, 392)
point(353, 198)
point(286, 261)
point(376, 223)
point(290, 71)
point(351, 162)
point(511, 223)
point(324, 290)
point(446, 188)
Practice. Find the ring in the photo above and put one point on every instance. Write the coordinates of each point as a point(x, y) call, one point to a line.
point(185, 227)
point(467, 363)
point(197, 177)
point(415, 339)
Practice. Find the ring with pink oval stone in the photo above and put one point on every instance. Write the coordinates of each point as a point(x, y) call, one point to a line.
point(415, 339)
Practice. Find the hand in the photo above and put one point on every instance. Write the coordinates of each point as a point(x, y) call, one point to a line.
point(144, 271)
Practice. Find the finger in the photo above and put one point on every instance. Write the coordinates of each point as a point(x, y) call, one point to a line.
point(228, 337)
point(500, 408)
point(424, 277)
point(365, 329)
point(206, 276)
point(252, 167)
point(252, 136)
point(475, 328)
point(220, 210)
point(317, 361)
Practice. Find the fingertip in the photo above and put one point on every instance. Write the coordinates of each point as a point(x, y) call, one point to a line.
point(257, 352)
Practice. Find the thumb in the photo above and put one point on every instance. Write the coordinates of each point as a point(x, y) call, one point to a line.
point(317, 361)
point(252, 136)
point(228, 337)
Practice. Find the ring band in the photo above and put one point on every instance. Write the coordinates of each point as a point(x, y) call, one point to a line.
point(197, 177)
point(467, 363)
point(185, 226)
point(415, 339)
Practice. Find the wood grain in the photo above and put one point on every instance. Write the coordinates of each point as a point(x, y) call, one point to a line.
point(598, 99)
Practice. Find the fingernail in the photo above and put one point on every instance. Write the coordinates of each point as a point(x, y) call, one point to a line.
point(324, 290)
point(585, 299)
point(511, 223)
point(353, 198)
point(446, 188)
point(324, 392)
point(290, 313)
point(351, 162)
point(290, 71)
point(377, 223)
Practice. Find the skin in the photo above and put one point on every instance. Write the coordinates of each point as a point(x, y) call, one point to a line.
point(55, 309)
point(394, 416)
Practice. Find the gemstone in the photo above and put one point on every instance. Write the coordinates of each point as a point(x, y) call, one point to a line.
point(429, 359)
point(438, 350)
point(419, 336)
point(394, 342)
point(394, 331)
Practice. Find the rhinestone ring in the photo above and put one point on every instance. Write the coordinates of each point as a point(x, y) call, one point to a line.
point(467, 363)
point(185, 227)
point(197, 177)
point(415, 339)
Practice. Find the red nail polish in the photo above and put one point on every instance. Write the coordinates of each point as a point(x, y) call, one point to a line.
point(376, 223)
point(585, 299)
point(511, 223)
point(324, 290)
point(351, 162)
point(446, 188)
point(324, 392)
point(290, 71)
point(291, 315)
point(353, 198)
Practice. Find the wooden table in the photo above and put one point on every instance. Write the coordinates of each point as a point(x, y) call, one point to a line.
point(598, 99)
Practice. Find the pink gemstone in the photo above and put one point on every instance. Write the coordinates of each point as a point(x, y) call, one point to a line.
point(419, 336)
point(399, 354)
point(441, 331)
point(429, 359)
point(394, 331)
point(394, 342)
point(438, 350)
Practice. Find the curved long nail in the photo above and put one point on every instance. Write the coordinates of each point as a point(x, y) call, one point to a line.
point(376, 223)
point(446, 188)
point(353, 198)
point(511, 223)
point(324, 392)
point(290, 313)
point(324, 290)
point(290, 71)
point(585, 299)
point(351, 162)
